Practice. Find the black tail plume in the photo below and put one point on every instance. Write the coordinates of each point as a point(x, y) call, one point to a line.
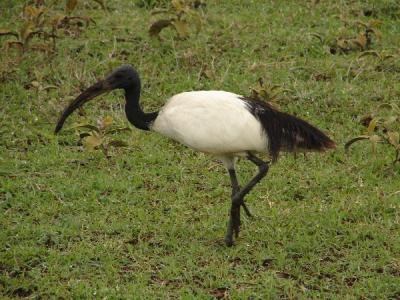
point(286, 132)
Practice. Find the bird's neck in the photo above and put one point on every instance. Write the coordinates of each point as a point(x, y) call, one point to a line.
point(136, 116)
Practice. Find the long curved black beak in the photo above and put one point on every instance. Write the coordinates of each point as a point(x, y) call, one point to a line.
point(93, 91)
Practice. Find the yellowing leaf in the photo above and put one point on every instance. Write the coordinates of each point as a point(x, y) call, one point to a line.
point(104, 123)
point(56, 20)
point(374, 141)
point(26, 31)
point(374, 23)
point(70, 5)
point(35, 84)
point(375, 138)
point(361, 41)
point(181, 28)
point(372, 126)
point(207, 73)
point(390, 120)
point(342, 44)
point(157, 26)
point(363, 24)
point(91, 142)
point(30, 12)
point(394, 138)
point(179, 5)
point(377, 33)
point(107, 121)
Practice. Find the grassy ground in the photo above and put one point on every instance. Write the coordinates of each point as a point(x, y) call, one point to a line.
point(148, 221)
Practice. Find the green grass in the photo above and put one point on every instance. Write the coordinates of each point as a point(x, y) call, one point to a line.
point(149, 221)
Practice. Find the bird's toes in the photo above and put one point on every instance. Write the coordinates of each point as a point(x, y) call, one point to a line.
point(246, 210)
point(236, 230)
point(229, 241)
point(236, 223)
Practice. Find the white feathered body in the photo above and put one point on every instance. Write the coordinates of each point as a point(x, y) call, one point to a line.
point(214, 122)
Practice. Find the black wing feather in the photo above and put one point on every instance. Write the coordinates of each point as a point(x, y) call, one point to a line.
point(286, 132)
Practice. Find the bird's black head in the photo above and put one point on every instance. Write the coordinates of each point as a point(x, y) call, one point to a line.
point(123, 77)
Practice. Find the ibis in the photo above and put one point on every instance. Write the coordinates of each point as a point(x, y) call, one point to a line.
point(219, 123)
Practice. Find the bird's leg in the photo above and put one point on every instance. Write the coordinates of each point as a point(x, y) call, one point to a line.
point(234, 222)
point(234, 218)
point(236, 189)
point(238, 196)
point(262, 171)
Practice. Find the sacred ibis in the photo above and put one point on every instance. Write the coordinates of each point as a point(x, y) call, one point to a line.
point(219, 123)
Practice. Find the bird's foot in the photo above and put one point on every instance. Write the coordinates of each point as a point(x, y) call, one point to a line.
point(229, 241)
point(233, 226)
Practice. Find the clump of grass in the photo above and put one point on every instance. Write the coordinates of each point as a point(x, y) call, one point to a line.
point(44, 22)
point(100, 136)
point(181, 15)
point(382, 128)
point(361, 42)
